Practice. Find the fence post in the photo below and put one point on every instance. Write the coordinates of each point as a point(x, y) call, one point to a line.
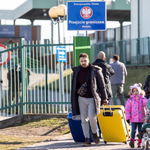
point(124, 45)
point(104, 47)
point(114, 47)
point(148, 51)
point(137, 44)
point(46, 87)
point(22, 74)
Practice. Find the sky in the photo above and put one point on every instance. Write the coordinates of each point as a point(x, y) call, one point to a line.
point(46, 24)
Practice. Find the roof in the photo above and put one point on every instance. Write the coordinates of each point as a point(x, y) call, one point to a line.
point(38, 10)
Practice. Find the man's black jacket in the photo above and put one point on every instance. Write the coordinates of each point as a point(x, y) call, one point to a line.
point(107, 73)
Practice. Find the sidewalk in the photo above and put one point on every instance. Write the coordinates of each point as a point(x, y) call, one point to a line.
point(66, 142)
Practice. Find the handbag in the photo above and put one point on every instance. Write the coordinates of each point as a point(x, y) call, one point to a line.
point(83, 89)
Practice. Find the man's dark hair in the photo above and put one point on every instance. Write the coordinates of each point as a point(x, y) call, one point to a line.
point(116, 57)
point(83, 55)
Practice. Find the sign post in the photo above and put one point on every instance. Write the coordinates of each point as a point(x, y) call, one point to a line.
point(86, 15)
point(4, 57)
point(61, 57)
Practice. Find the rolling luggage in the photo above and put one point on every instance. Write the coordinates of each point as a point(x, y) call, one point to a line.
point(114, 127)
point(76, 129)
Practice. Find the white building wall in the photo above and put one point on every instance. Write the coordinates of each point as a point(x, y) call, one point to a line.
point(134, 19)
point(144, 18)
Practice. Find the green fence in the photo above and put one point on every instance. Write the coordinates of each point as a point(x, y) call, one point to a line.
point(41, 81)
point(36, 87)
point(132, 52)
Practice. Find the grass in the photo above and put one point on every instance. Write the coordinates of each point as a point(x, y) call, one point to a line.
point(52, 123)
point(135, 75)
point(13, 142)
point(58, 126)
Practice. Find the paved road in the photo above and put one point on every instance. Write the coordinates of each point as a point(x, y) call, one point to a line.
point(66, 142)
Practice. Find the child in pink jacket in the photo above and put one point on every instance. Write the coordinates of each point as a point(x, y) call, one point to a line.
point(135, 111)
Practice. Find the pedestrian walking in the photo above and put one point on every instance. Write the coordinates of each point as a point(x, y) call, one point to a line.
point(135, 110)
point(118, 80)
point(106, 70)
point(87, 92)
point(15, 86)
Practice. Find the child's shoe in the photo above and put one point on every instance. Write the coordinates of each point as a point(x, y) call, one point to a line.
point(131, 143)
point(139, 143)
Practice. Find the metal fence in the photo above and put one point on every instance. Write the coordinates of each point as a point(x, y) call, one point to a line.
point(132, 52)
point(38, 88)
point(44, 89)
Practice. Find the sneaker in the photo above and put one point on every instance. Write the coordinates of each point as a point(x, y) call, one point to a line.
point(131, 143)
point(96, 138)
point(87, 142)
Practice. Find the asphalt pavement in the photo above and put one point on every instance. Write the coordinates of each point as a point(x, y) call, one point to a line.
point(66, 142)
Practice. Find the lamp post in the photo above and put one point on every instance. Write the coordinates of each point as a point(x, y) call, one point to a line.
point(57, 15)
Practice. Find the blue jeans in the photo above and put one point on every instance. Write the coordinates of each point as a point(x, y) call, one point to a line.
point(134, 125)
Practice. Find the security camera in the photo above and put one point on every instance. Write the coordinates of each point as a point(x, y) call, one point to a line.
point(127, 1)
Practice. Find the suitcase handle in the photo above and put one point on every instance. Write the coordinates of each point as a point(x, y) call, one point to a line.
point(107, 113)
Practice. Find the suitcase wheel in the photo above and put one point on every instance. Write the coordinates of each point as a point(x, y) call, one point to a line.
point(125, 142)
point(105, 142)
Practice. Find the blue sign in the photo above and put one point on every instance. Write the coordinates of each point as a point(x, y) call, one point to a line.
point(86, 15)
point(61, 54)
point(26, 32)
point(7, 31)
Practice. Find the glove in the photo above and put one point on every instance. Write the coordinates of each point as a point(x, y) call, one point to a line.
point(128, 121)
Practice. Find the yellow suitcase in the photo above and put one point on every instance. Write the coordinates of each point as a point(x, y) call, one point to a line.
point(114, 127)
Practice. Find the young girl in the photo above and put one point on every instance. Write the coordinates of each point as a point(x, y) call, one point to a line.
point(135, 111)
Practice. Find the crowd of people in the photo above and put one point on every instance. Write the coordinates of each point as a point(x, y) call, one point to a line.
point(96, 84)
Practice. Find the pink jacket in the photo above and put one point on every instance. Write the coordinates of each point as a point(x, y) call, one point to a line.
point(135, 109)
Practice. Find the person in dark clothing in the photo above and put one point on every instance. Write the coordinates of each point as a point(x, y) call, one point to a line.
point(88, 105)
point(147, 87)
point(15, 86)
point(106, 70)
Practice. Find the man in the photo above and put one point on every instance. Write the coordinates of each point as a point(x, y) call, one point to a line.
point(118, 80)
point(88, 105)
point(107, 72)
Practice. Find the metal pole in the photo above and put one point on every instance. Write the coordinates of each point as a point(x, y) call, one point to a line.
point(61, 68)
point(52, 34)
point(64, 27)
point(22, 76)
point(46, 88)
point(138, 26)
point(58, 33)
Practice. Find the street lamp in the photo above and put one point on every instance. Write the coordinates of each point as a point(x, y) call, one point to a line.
point(57, 15)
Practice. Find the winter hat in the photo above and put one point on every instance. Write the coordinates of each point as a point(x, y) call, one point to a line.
point(136, 86)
